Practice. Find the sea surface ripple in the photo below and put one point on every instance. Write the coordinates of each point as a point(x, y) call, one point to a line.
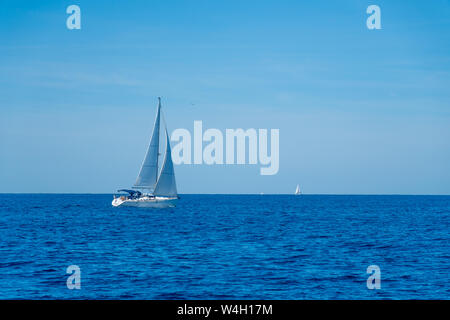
point(225, 247)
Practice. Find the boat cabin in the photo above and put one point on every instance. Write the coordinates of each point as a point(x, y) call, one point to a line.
point(132, 194)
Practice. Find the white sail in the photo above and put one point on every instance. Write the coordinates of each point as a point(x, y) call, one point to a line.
point(297, 190)
point(148, 174)
point(166, 185)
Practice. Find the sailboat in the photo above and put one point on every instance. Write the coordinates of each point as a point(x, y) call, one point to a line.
point(159, 182)
point(297, 190)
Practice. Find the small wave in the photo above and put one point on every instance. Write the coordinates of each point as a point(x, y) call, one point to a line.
point(170, 296)
point(14, 264)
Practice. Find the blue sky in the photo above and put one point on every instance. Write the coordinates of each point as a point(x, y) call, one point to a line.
point(359, 111)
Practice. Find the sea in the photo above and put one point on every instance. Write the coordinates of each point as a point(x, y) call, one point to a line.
point(226, 247)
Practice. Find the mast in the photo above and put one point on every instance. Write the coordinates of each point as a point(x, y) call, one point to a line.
point(159, 129)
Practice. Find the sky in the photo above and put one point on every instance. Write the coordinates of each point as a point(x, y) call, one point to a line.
point(359, 111)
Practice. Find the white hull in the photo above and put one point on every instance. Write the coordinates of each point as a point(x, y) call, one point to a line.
point(146, 202)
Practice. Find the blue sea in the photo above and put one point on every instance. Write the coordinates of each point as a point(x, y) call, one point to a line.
point(225, 247)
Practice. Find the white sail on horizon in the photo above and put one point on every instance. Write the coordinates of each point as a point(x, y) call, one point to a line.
point(161, 182)
point(297, 190)
point(158, 180)
point(166, 185)
point(148, 175)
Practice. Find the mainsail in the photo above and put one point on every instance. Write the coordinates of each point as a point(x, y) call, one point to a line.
point(166, 185)
point(297, 190)
point(148, 174)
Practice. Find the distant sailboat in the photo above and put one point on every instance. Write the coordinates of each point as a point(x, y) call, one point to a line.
point(297, 190)
point(160, 182)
